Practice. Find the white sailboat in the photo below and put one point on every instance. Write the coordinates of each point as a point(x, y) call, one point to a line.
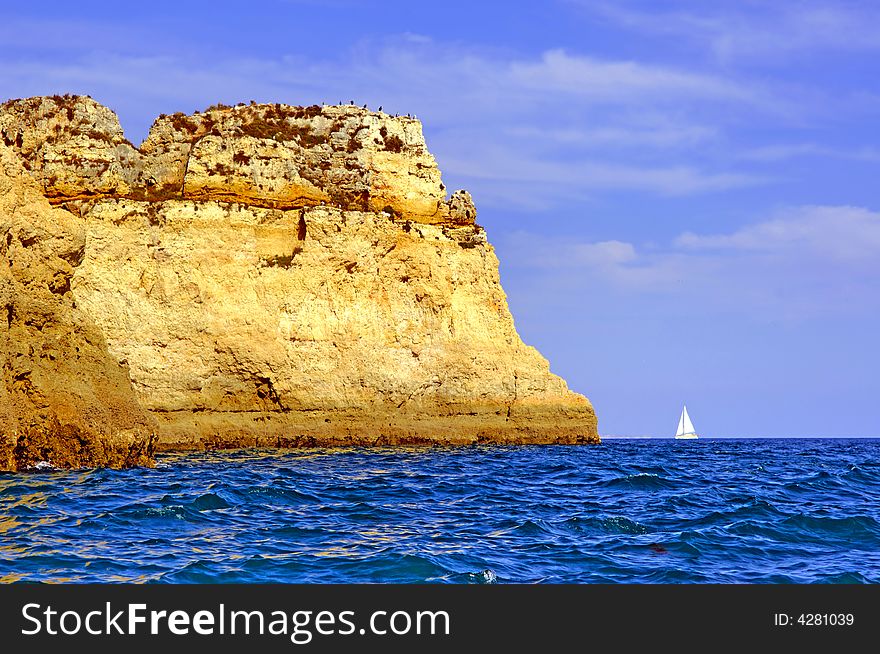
point(685, 426)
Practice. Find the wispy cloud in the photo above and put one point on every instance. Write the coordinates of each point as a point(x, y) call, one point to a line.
point(782, 152)
point(635, 136)
point(501, 163)
point(820, 234)
point(803, 261)
point(748, 30)
point(560, 72)
point(559, 120)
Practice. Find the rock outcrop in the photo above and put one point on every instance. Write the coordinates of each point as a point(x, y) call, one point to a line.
point(64, 401)
point(256, 275)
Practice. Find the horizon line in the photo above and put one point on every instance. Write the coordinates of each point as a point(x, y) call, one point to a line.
point(643, 437)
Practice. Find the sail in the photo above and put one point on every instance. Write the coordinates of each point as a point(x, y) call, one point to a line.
point(680, 429)
point(686, 422)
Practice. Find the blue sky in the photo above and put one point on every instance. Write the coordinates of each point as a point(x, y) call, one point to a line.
point(684, 195)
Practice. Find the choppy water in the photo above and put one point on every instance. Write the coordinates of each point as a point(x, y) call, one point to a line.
point(623, 511)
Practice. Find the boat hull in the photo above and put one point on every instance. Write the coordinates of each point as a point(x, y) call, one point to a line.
point(686, 437)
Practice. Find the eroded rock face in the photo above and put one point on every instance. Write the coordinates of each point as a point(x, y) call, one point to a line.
point(274, 156)
point(275, 275)
point(64, 401)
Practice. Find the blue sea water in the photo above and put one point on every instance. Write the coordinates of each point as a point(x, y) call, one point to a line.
point(762, 510)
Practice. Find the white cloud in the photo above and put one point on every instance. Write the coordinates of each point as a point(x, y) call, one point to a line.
point(805, 261)
point(498, 163)
point(749, 30)
point(571, 75)
point(567, 124)
point(556, 253)
point(839, 234)
point(635, 136)
point(782, 152)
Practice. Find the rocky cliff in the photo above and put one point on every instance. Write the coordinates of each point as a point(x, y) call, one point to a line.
point(253, 275)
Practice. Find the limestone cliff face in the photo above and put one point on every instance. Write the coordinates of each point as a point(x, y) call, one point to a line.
point(276, 275)
point(64, 400)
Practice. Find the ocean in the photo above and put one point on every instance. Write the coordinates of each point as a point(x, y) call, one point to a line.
point(625, 511)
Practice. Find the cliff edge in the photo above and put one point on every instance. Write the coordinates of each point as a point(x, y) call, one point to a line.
point(258, 275)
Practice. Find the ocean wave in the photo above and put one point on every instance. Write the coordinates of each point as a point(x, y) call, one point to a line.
point(209, 502)
point(757, 509)
point(605, 525)
point(624, 511)
point(274, 495)
point(140, 511)
point(858, 528)
point(480, 577)
point(641, 481)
